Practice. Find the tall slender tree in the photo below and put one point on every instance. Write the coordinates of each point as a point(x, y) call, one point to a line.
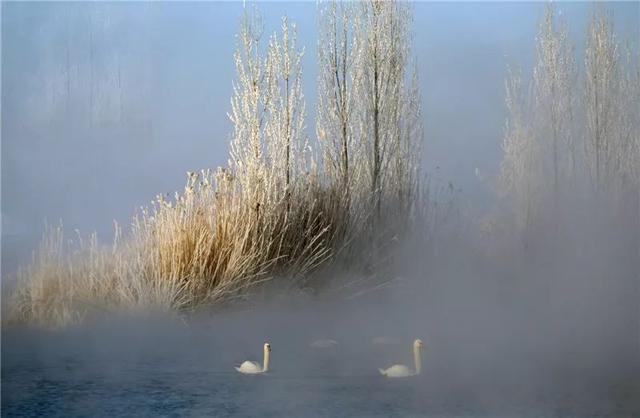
point(518, 172)
point(248, 108)
point(369, 107)
point(285, 125)
point(553, 84)
point(601, 93)
point(336, 78)
point(382, 42)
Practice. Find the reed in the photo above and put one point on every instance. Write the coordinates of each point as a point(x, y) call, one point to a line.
point(275, 212)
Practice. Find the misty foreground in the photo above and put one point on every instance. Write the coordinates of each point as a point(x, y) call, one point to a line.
point(485, 356)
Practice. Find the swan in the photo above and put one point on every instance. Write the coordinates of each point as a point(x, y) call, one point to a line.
point(400, 370)
point(385, 341)
point(323, 344)
point(253, 367)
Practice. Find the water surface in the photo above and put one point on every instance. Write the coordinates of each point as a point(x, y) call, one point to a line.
point(169, 370)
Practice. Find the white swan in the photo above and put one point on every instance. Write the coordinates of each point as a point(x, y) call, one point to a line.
point(253, 367)
point(400, 370)
point(385, 341)
point(323, 344)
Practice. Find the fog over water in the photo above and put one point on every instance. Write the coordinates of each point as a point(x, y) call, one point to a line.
point(105, 105)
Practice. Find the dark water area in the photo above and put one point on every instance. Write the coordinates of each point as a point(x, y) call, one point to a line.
point(160, 367)
point(497, 344)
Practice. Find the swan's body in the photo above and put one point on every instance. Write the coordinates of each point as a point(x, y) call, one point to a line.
point(253, 367)
point(323, 344)
point(400, 370)
point(384, 341)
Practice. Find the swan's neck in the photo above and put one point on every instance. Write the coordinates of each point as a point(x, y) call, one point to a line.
point(417, 358)
point(265, 366)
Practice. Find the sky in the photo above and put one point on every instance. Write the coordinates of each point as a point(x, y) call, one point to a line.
point(105, 105)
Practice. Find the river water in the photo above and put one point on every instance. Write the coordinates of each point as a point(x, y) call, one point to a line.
point(171, 370)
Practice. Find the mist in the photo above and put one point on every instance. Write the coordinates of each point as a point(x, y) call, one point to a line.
point(106, 105)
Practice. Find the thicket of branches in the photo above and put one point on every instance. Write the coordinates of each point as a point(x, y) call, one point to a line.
point(289, 206)
point(279, 209)
point(564, 151)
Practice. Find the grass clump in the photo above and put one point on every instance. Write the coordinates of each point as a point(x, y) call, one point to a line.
point(277, 210)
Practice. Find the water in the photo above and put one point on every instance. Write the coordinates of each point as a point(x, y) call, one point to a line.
point(166, 370)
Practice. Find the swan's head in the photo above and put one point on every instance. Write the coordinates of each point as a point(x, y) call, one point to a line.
point(267, 347)
point(418, 344)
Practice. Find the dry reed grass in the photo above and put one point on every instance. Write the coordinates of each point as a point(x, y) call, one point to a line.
point(273, 213)
point(209, 245)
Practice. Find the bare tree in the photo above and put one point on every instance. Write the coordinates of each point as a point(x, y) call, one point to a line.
point(629, 132)
point(629, 119)
point(517, 168)
point(250, 98)
point(407, 156)
point(601, 92)
point(553, 83)
point(382, 46)
point(336, 79)
point(369, 107)
point(284, 132)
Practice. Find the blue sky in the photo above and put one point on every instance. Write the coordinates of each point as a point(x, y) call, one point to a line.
point(104, 105)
